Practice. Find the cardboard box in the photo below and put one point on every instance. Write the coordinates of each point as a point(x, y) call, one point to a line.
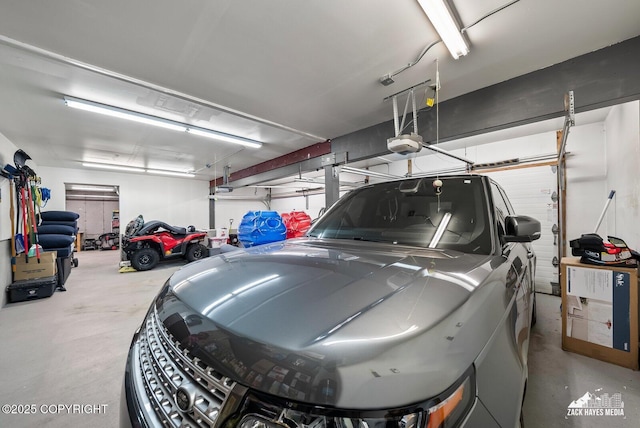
point(600, 312)
point(31, 269)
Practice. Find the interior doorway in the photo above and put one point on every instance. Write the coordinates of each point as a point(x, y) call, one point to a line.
point(99, 210)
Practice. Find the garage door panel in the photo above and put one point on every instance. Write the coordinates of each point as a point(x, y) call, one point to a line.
point(530, 191)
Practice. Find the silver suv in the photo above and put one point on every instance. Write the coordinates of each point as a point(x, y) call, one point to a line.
point(408, 304)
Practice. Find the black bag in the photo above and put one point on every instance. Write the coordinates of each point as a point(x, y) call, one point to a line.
point(29, 289)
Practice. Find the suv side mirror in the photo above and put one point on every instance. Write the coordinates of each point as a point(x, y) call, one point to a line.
point(521, 228)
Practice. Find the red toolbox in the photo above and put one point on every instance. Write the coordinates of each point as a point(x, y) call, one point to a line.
point(29, 289)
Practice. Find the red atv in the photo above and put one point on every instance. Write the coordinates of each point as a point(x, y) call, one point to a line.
point(146, 244)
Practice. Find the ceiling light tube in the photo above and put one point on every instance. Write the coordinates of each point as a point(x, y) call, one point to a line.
point(123, 114)
point(114, 167)
point(157, 121)
point(221, 136)
point(103, 197)
point(443, 21)
point(92, 188)
point(171, 173)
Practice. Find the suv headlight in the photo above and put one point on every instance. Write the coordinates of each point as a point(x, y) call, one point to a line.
point(445, 411)
point(454, 406)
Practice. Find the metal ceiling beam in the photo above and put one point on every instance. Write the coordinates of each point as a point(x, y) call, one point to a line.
point(599, 79)
point(313, 164)
point(282, 166)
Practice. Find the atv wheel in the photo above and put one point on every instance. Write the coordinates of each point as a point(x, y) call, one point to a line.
point(196, 252)
point(145, 259)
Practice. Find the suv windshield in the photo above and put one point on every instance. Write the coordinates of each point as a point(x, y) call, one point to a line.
point(413, 212)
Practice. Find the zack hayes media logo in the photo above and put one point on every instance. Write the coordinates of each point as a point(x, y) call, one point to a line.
point(591, 405)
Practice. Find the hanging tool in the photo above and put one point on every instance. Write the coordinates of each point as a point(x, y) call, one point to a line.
point(20, 158)
point(606, 207)
point(12, 213)
point(19, 239)
point(23, 173)
point(34, 225)
point(29, 209)
point(37, 197)
point(25, 219)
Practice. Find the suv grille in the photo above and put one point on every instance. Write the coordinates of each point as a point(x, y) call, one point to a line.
point(164, 366)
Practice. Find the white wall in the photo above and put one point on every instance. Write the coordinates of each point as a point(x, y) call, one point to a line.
point(236, 204)
point(177, 201)
point(622, 130)
point(586, 180)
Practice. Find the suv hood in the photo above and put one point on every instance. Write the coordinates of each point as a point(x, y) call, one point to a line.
point(358, 325)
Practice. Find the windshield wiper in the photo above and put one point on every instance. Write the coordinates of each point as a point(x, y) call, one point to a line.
point(361, 238)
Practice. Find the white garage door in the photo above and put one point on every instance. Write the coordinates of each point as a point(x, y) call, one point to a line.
point(530, 191)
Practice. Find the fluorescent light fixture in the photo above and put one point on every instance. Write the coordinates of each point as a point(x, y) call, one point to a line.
point(172, 173)
point(221, 136)
point(102, 197)
point(439, 15)
point(114, 167)
point(157, 121)
point(128, 169)
point(123, 114)
point(93, 188)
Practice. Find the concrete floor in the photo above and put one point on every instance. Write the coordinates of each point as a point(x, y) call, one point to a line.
point(71, 349)
point(556, 378)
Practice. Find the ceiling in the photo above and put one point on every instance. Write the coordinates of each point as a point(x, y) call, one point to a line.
point(287, 73)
